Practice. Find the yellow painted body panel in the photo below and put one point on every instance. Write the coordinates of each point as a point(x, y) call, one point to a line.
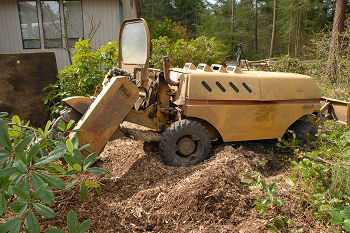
point(250, 105)
point(106, 113)
point(196, 90)
point(250, 122)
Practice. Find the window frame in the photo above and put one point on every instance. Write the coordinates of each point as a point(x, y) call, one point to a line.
point(60, 25)
point(64, 26)
point(40, 24)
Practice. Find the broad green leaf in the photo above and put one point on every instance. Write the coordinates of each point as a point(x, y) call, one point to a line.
point(36, 181)
point(16, 120)
point(45, 194)
point(32, 224)
point(4, 135)
point(3, 205)
point(25, 186)
point(52, 181)
point(70, 124)
point(346, 225)
point(92, 184)
point(84, 227)
point(71, 172)
point(18, 205)
point(44, 210)
point(77, 156)
point(34, 150)
point(22, 211)
point(62, 126)
point(22, 156)
point(75, 141)
point(16, 227)
point(69, 159)
point(89, 161)
point(54, 230)
point(96, 170)
point(77, 167)
point(84, 147)
point(20, 193)
point(21, 167)
point(265, 185)
point(83, 191)
point(273, 188)
point(246, 181)
point(3, 114)
point(47, 127)
point(57, 167)
point(41, 132)
point(9, 225)
point(336, 217)
point(69, 145)
point(345, 213)
point(279, 202)
point(54, 155)
point(4, 154)
point(71, 184)
point(72, 222)
point(325, 208)
point(7, 172)
point(24, 143)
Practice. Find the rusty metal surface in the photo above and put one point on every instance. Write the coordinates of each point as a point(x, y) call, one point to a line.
point(22, 79)
point(337, 110)
point(79, 103)
point(106, 113)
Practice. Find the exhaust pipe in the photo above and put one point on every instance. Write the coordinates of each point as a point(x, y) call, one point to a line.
point(166, 71)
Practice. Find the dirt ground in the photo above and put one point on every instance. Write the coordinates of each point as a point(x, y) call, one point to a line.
point(141, 194)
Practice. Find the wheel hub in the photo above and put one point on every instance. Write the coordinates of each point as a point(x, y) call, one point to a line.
point(187, 146)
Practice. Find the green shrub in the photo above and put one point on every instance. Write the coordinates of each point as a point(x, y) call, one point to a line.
point(173, 30)
point(288, 64)
point(85, 73)
point(199, 50)
point(34, 167)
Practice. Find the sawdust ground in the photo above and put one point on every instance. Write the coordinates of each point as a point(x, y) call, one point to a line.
point(141, 194)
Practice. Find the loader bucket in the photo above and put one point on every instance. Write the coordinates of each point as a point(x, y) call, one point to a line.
point(106, 113)
point(336, 110)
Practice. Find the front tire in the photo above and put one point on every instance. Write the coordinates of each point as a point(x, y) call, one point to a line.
point(185, 143)
point(305, 130)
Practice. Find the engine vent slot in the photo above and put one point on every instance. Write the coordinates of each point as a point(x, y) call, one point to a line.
point(234, 87)
point(207, 86)
point(220, 86)
point(247, 87)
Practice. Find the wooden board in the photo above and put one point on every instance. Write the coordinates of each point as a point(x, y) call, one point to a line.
point(106, 113)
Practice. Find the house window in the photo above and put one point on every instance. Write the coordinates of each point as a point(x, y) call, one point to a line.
point(121, 17)
point(61, 23)
point(52, 28)
point(29, 23)
point(73, 18)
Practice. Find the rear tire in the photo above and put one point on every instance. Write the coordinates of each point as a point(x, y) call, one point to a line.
point(185, 143)
point(305, 130)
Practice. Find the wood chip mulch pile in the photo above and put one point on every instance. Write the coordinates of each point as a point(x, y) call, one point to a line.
point(141, 194)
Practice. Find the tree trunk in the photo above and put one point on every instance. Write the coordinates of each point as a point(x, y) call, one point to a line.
point(232, 27)
point(297, 38)
point(290, 32)
point(256, 27)
point(273, 37)
point(338, 28)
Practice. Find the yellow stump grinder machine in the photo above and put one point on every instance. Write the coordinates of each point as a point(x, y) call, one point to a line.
point(193, 106)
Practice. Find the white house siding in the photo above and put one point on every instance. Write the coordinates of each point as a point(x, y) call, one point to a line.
point(104, 11)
